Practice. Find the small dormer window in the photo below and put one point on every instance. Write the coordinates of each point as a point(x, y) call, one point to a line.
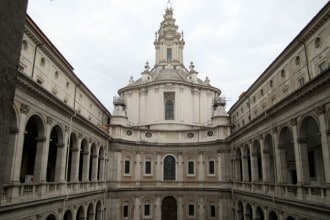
point(169, 54)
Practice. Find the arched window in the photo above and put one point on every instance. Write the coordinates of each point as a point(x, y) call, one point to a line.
point(169, 168)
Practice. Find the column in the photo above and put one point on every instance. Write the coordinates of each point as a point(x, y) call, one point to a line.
point(60, 163)
point(102, 166)
point(95, 160)
point(180, 168)
point(85, 168)
point(254, 167)
point(245, 167)
point(38, 163)
point(19, 146)
point(180, 213)
point(138, 168)
point(159, 170)
point(137, 209)
point(324, 142)
point(265, 162)
point(75, 162)
point(201, 206)
point(201, 176)
point(300, 151)
point(158, 211)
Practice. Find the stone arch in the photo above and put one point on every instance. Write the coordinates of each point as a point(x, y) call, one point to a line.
point(90, 212)
point(259, 214)
point(72, 157)
point(55, 141)
point(33, 142)
point(248, 212)
point(80, 213)
point(98, 211)
point(287, 156)
point(240, 212)
point(256, 152)
point(83, 153)
point(50, 217)
point(67, 215)
point(93, 163)
point(169, 208)
point(311, 151)
point(169, 167)
point(272, 215)
point(247, 172)
point(270, 163)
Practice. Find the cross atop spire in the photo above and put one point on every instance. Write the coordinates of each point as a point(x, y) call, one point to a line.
point(169, 5)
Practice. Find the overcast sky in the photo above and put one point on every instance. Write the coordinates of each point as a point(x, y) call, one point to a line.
point(230, 41)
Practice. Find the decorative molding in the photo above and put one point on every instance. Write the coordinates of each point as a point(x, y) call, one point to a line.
point(275, 130)
point(24, 108)
point(80, 135)
point(293, 122)
point(49, 120)
point(320, 110)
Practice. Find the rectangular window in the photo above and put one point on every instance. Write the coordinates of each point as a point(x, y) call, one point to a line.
point(301, 82)
point(169, 54)
point(311, 163)
point(147, 210)
point(127, 168)
point(125, 211)
point(191, 167)
point(148, 167)
point(211, 167)
point(191, 210)
point(212, 211)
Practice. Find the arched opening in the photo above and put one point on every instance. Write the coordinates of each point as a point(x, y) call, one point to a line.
point(259, 214)
point(288, 156)
point(98, 213)
point(169, 208)
point(100, 170)
point(51, 217)
point(70, 162)
point(169, 168)
point(248, 213)
point(33, 139)
point(290, 218)
point(271, 160)
point(83, 151)
point(257, 154)
point(90, 212)
point(240, 213)
point(56, 138)
point(311, 150)
point(239, 169)
point(272, 216)
point(80, 213)
point(67, 215)
point(247, 164)
point(93, 163)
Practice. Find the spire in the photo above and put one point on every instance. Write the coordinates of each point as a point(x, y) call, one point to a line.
point(169, 41)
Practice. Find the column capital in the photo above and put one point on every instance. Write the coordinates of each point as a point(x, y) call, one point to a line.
point(80, 135)
point(260, 137)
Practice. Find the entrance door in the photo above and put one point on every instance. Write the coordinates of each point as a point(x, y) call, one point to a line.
point(169, 208)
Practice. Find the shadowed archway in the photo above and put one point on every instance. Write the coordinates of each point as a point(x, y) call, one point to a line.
point(169, 208)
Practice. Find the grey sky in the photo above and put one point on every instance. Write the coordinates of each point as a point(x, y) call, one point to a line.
point(230, 41)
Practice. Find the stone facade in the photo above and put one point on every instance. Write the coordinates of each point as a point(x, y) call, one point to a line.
point(171, 151)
